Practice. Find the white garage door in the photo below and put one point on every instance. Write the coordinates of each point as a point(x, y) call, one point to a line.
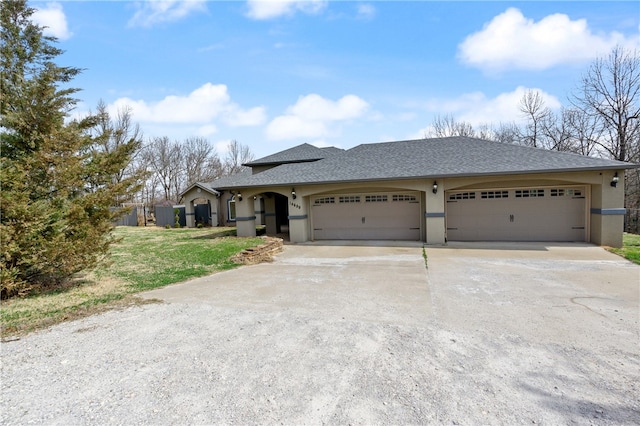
point(379, 216)
point(530, 214)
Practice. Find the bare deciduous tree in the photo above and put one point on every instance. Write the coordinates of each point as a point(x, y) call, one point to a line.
point(237, 155)
point(164, 159)
point(610, 92)
point(555, 132)
point(173, 166)
point(533, 108)
point(506, 133)
point(584, 129)
point(447, 125)
point(201, 161)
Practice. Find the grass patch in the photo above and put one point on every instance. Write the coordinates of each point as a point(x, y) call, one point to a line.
point(424, 256)
point(144, 259)
point(630, 248)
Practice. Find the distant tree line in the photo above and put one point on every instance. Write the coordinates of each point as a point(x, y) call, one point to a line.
point(164, 168)
point(171, 166)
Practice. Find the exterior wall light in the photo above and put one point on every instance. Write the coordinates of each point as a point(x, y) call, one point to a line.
point(293, 193)
point(615, 180)
point(435, 187)
point(239, 196)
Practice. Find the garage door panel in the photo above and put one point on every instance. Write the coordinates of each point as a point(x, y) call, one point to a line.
point(517, 215)
point(341, 216)
point(367, 217)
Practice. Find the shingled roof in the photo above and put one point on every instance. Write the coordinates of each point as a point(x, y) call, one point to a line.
point(298, 154)
point(423, 158)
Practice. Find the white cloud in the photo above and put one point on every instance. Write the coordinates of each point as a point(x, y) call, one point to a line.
point(270, 9)
point(202, 106)
point(52, 17)
point(236, 117)
point(476, 108)
point(153, 12)
point(511, 40)
point(503, 108)
point(365, 11)
point(313, 115)
point(420, 133)
point(207, 130)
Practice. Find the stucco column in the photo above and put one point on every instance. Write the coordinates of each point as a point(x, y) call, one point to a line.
point(190, 214)
point(434, 213)
point(298, 219)
point(213, 203)
point(270, 214)
point(245, 217)
point(258, 206)
point(607, 214)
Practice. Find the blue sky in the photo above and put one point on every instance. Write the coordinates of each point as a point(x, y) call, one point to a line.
point(274, 74)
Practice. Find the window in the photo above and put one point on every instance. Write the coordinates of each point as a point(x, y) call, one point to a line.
point(494, 194)
point(375, 199)
point(463, 196)
point(325, 200)
point(529, 193)
point(559, 192)
point(403, 197)
point(349, 199)
point(231, 210)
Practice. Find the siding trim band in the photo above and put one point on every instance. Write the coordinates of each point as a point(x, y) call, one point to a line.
point(245, 219)
point(302, 216)
point(609, 212)
point(436, 214)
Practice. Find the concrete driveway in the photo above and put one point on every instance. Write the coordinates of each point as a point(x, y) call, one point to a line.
point(359, 281)
point(359, 334)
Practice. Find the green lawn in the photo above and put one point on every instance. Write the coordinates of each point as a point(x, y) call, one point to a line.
point(630, 249)
point(144, 259)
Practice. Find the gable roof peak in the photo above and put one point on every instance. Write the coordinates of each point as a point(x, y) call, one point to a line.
point(298, 154)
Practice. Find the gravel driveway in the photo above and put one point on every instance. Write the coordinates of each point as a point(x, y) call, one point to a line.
point(355, 334)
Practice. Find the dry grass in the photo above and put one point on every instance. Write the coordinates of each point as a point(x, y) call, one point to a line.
point(145, 258)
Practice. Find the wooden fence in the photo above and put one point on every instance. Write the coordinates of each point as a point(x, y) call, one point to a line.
point(166, 215)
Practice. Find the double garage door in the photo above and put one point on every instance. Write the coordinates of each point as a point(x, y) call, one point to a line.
point(366, 216)
point(526, 214)
point(530, 214)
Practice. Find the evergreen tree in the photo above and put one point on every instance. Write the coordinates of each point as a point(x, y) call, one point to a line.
point(57, 185)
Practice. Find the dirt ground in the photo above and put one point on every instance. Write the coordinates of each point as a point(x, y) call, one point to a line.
point(353, 334)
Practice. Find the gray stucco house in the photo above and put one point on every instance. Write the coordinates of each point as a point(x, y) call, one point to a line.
point(431, 190)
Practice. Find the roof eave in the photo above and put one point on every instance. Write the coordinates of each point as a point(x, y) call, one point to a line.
point(279, 163)
point(443, 175)
point(201, 186)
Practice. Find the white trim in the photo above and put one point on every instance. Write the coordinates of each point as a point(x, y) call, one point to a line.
point(229, 201)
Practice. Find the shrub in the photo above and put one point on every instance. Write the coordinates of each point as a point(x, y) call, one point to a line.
point(58, 179)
